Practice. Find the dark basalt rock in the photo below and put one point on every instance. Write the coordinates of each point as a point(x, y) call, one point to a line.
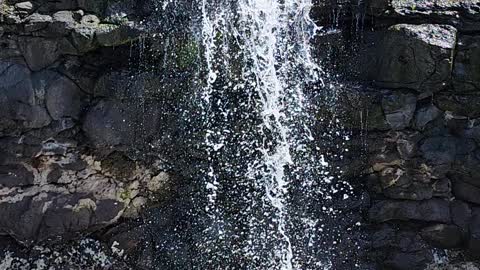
point(439, 150)
point(474, 234)
point(464, 105)
point(466, 71)
point(464, 14)
point(400, 249)
point(443, 236)
point(408, 261)
point(14, 175)
point(417, 57)
point(425, 115)
point(461, 214)
point(399, 109)
point(110, 123)
point(466, 192)
point(64, 99)
point(39, 52)
point(436, 210)
point(19, 106)
point(48, 215)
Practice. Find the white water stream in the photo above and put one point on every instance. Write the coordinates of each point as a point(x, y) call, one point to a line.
point(273, 46)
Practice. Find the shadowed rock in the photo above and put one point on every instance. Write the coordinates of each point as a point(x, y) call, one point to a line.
point(417, 57)
point(430, 210)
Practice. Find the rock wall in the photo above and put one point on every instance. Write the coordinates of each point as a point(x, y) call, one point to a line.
point(416, 101)
point(90, 131)
point(64, 126)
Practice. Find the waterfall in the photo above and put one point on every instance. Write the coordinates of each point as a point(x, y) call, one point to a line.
point(260, 150)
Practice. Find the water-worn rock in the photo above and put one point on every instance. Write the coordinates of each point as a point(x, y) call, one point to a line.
point(66, 195)
point(436, 210)
point(417, 57)
point(412, 191)
point(115, 35)
point(39, 52)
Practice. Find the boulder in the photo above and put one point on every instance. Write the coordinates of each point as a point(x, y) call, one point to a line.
point(375, 118)
point(466, 192)
point(39, 52)
point(434, 210)
point(466, 71)
point(425, 115)
point(413, 191)
point(443, 235)
point(110, 123)
point(461, 214)
point(20, 99)
point(15, 175)
point(36, 22)
point(439, 150)
point(417, 57)
point(442, 188)
point(473, 132)
point(460, 105)
point(64, 99)
point(399, 109)
point(115, 35)
point(50, 215)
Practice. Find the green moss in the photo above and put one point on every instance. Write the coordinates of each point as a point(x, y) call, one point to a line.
point(5, 8)
point(125, 195)
point(186, 54)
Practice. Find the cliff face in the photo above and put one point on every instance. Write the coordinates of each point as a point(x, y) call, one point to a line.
point(91, 128)
point(65, 111)
point(416, 62)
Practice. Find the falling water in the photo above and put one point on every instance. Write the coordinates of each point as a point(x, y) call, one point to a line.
point(257, 119)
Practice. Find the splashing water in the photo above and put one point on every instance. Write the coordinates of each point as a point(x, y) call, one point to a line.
point(257, 123)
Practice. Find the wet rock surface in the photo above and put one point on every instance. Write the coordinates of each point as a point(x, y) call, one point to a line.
point(70, 164)
point(82, 131)
point(415, 64)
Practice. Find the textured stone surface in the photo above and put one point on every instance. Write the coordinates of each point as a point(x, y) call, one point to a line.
point(110, 123)
point(443, 236)
point(417, 57)
point(466, 70)
point(69, 116)
point(431, 210)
